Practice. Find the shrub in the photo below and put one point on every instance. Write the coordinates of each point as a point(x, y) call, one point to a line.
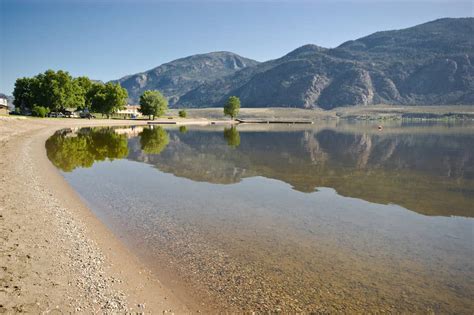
point(40, 111)
point(182, 113)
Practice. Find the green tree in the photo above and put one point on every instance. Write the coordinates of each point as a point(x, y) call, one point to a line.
point(153, 103)
point(183, 129)
point(25, 93)
point(53, 90)
point(154, 140)
point(82, 86)
point(232, 136)
point(232, 106)
point(57, 90)
point(94, 89)
point(108, 98)
point(182, 113)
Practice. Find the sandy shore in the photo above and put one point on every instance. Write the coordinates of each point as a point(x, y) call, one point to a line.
point(55, 254)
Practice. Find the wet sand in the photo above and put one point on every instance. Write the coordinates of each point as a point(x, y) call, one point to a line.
point(55, 254)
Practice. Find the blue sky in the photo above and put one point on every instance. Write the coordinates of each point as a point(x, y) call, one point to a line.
point(109, 39)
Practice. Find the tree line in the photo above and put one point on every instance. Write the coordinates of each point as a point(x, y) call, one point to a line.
point(56, 91)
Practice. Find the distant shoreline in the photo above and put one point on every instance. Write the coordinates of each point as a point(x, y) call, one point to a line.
point(204, 116)
point(373, 112)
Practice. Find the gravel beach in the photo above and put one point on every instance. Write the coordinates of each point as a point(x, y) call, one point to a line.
point(55, 254)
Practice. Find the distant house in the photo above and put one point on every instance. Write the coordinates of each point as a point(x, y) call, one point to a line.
point(130, 111)
point(3, 106)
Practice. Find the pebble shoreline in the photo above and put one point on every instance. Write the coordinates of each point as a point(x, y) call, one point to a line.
point(49, 262)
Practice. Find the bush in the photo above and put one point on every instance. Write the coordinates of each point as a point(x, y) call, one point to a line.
point(182, 113)
point(40, 111)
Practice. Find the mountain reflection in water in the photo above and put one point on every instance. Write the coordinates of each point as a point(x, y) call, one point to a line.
point(261, 218)
point(432, 174)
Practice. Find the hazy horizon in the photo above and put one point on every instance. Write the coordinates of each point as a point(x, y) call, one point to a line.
point(107, 40)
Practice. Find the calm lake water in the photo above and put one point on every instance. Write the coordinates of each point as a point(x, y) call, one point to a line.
point(329, 217)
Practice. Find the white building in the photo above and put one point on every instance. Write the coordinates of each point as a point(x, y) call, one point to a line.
point(130, 111)
point(3, 106)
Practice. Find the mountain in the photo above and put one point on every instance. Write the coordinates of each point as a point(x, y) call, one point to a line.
point(428, 64)
point(180, 76)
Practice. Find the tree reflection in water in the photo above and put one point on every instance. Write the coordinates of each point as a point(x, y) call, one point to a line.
point(68, 150)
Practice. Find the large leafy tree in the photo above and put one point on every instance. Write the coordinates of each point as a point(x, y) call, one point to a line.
point(53, 90)
point(82, 86)
point(232, 106)
point(57, 90)
point(154, 140)
point(108, 98)
point(94, 89)
point(25, 93)
point(153, 103)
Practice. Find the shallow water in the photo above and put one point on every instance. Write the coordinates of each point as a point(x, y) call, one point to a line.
point(332, 217)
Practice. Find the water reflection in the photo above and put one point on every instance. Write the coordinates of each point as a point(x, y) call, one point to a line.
point(250, 224)
point(232, 136)
point(68, 150)
point(429, 173)
point(153, 140)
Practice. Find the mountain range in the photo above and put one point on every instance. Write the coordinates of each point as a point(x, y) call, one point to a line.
point(428, 64)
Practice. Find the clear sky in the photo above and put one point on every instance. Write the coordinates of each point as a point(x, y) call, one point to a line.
point(106, 40)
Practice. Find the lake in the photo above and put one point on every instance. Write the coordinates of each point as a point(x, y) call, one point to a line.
point(322, 218)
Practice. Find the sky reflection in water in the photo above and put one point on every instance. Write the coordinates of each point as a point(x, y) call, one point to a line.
point(319, 217)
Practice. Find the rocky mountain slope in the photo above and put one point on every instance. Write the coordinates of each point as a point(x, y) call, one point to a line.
point(428, 64)
point(180, 76)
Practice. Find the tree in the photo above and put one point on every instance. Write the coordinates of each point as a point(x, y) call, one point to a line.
point(232, 136)
point(231, 108)
point(25, 93)
point(53, 90)
point(94, 89)
point(82, 86)
point(153, 103)
point(57, 90)
point(182, 113)
point(108, 98)
point(154, 140)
